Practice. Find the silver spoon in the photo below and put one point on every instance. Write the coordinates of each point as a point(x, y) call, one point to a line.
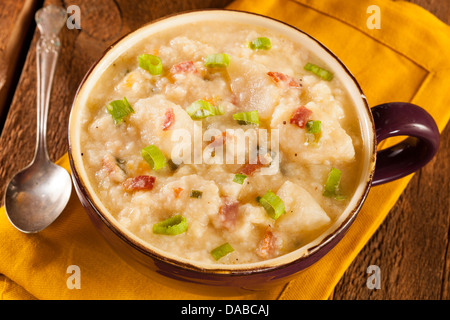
point(37, 195)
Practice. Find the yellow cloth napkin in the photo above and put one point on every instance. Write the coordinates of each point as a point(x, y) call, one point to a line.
point(406, 60)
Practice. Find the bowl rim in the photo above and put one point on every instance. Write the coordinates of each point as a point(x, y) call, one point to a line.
point(219, 269)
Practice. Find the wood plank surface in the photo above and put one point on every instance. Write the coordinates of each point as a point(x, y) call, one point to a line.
point(411, 247)
point(16, 18)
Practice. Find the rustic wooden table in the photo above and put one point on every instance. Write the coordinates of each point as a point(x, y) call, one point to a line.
point(411, 246)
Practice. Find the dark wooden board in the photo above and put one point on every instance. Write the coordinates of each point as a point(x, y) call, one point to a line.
point(16, 21)
point(411, 246)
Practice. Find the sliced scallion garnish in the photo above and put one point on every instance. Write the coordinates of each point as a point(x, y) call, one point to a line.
point(261, 43)
point(239, 178)
point(250, 117)
point(172, 165)
point(221, 251)
point(151, 63)
point(201, 109)
point(218, 60)
point(154, 157)
point(273, 204)
point(314, 126)
point(172, 226)
point(313, 131)
point(196, 194)
point(119, 109)
point(324, 74)
point(331, 188)
point(313, 138)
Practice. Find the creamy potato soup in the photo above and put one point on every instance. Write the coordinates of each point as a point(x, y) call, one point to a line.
point(221, 143)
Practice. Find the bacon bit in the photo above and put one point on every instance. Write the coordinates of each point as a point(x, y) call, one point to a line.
point(184, 67)
point(177, 191)
point(139, 183)
point(169, 119)
point(218, 140)
point(279, 77)
point(249, 168)
point(268, 245)
point(300, 116)
point(234, 99)
point(228, 212)
point(109, 164)
point(112, 169)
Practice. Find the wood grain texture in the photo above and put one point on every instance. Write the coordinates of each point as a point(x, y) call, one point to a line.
point(16, 18)
point(440, 8)
point(412, 245)
point(9, 11)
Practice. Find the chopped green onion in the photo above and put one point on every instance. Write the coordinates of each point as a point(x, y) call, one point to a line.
point(151, 63)
point(314, 126)
point(250, 117)
point(239, 178)
point(324, 74)
point(261, 43)
point(313, 138)
point(313, 131)
point(331, 188)
point(172, 226)
point(201, 109)
point(196, 194)
point(154, 157)
point(221, 251)
point(119, 109)
point(219, 110)
point(218, 60)
point(172, 165)
point(273, 204)
point(121, 164)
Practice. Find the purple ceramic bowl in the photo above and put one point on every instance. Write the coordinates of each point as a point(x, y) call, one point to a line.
point(384, 121)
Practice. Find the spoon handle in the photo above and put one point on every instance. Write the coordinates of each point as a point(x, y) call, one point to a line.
point(49, 20)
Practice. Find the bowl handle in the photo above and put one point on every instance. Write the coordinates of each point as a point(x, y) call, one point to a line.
point(403, 119)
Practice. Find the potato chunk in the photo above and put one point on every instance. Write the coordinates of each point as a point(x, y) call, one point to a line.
point(135, 84)
point(198, 211)
point(303, 214)
point(334, 144)
point(253, 87)
point(150, 117)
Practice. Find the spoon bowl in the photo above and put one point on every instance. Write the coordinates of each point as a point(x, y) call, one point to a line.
point(37, 195)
